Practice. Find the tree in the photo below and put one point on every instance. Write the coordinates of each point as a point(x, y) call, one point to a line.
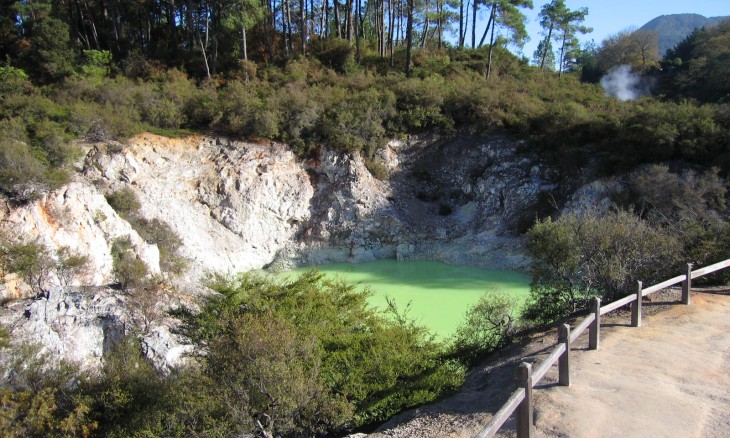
point(506, 14)
point(544, 55)
point(561, 25)
point(128, 269)
point(69, 264)
point(700, 65)
point(638, 49)
point(241, 15)
point(46, 41)
point(409, 35)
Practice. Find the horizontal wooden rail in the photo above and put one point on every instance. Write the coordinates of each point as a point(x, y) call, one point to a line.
point(663, 285)
point(545, 365)
point(616, 304)
point(710, 269)
point(503, 414)
point(580, 328)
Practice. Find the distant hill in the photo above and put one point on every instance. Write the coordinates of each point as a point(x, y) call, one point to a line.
point(674, 28)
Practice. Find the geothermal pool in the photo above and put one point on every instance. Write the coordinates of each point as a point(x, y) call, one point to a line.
point(439, 293)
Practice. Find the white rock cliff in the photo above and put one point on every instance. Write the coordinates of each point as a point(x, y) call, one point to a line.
point(240, 206)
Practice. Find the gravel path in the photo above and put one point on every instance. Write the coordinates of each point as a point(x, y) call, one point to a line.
point(668, 378)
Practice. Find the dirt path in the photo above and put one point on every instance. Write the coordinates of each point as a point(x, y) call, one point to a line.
point(668, 378)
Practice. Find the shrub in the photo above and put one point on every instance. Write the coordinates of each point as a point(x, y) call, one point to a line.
point(155, 231)
point(160, 233)
point(97, 65)
point(128, 270)
point(31, 260)
point(666, 197)
point(583, 255)
point(376, 168)
point(319, 359)
point(334, 53)
point(420, 104)
point(13, 81)
point(34, 151)
point(69, 264)
point(355, 124)
point(125, 202)
point(487, 326)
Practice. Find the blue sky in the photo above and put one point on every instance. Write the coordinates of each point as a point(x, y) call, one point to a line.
point(608, 17)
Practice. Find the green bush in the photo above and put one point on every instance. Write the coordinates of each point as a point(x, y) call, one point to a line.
point(591, 254)
point(319, 359)
point(35, 149)
point(160, 233)
point(487, 326)
point(334, 53)
point(377, 169)
point(154, 231)
point(13, 81)
point(125, 202)
point(356, 123)
point(97, 65)
point(31, 260)
point(420, 104)
point(128, 270)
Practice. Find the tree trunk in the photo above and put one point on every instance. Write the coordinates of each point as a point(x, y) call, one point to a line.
point(357, 32)
point(303, 26)
point(466, 25)
point(267, 33)
point(171, 26)
point(391, 24)
point(348, 21)
point(336, 4)
point(205, 57)
point(491, 44)
point(546, 47)
point(245, 52)
point(461, 23)
point(440, 22)
point(489, 23)
point(475, 6)
point(324, 19)
point(409, 37)
point(425, 27)
point(562, 55)
point(287, 29)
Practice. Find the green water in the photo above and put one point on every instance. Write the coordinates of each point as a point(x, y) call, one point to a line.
point(438, 293)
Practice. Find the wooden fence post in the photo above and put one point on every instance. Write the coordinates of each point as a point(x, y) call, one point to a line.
point(687, 286)
point(564, 360)
point(594, 330)
point(525, 428)
point(636, 307)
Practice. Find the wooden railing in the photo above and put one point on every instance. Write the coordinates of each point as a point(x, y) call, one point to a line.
point(520, 401)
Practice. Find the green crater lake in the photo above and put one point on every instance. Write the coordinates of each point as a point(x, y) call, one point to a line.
point(439, 294)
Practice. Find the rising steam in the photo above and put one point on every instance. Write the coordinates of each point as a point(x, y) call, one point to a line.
point(620, 82)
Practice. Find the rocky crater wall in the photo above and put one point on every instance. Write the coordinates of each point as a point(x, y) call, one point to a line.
point(240, 206)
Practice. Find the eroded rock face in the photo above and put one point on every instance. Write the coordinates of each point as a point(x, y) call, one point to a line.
point(234, 205)
point(241, 206)
point(78, 217)
point(80, 326)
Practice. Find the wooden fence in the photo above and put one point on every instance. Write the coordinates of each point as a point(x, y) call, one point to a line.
point(520, 401)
